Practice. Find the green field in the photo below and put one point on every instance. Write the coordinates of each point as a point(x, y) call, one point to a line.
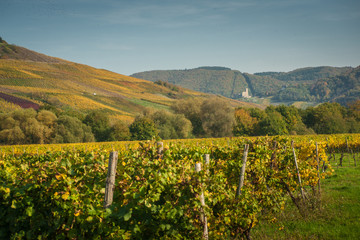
point(338, 218)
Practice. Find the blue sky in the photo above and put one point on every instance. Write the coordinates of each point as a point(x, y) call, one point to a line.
point(139, 35)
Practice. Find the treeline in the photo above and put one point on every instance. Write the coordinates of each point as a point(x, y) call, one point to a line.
point(49, 126)
point(327, 118)
point(188, 119)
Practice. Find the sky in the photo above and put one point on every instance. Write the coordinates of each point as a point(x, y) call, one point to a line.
point(141, 35)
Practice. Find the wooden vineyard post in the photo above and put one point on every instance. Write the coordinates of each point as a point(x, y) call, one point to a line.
point(202, 202)
point(207, 158)
point(297, 171)
point(110, 180)
point(318, 168)
point(242, 173)
point(160, 148)
point(207, 162)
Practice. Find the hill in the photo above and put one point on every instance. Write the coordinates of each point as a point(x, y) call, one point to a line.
point(35, 78)
point(215, 80)
point(343, 88)
point(10, 51)
point(316, 84)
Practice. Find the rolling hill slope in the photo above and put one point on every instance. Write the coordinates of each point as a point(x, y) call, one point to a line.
point(46, 80)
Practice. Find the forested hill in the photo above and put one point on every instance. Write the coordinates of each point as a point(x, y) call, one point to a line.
point(342, 88)
point(216, 80)
point(305, 74)
point(316, 84)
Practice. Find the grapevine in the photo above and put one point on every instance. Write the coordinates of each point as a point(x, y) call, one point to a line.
point(57, 191)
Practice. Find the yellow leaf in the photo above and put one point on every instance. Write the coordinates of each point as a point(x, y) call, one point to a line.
point(65, 196)
point(58, 177)
point(77, 213)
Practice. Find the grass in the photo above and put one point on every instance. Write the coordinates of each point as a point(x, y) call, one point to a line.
point(338, 218)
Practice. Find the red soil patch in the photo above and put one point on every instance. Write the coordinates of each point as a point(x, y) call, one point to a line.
point(19, 101)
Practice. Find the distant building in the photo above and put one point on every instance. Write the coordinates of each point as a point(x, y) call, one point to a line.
point(246, 94)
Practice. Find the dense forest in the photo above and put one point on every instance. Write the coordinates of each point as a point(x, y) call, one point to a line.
point(188, 119)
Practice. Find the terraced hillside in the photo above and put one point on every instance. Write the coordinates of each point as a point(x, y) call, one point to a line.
point(46, 80)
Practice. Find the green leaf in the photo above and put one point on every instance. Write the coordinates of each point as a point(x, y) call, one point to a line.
point(29, 211)
point(127, 216)
point(13, 204)
point(91, 210)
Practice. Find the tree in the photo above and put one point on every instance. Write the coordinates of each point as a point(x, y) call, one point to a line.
point(353, 125)
point(72, 130)
point(327, 118)
point(143, 128)
point(217, 118)
point(244, 123)
point(21, 115)
point(163, 123)
point(292, 118)
point(33, 131)
point(272, 124)
point(25, 125)
point(7, 122)
point(354, 107)
point(257, 113)
point(209, 118)
point(48, 120)
point(119, 132)
point(100, 125)
point(171, 126)
point(182, 126)
point(191, 109)
point(12, 136)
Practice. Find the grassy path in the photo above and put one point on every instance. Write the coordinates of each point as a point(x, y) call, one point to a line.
point(339, 217)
